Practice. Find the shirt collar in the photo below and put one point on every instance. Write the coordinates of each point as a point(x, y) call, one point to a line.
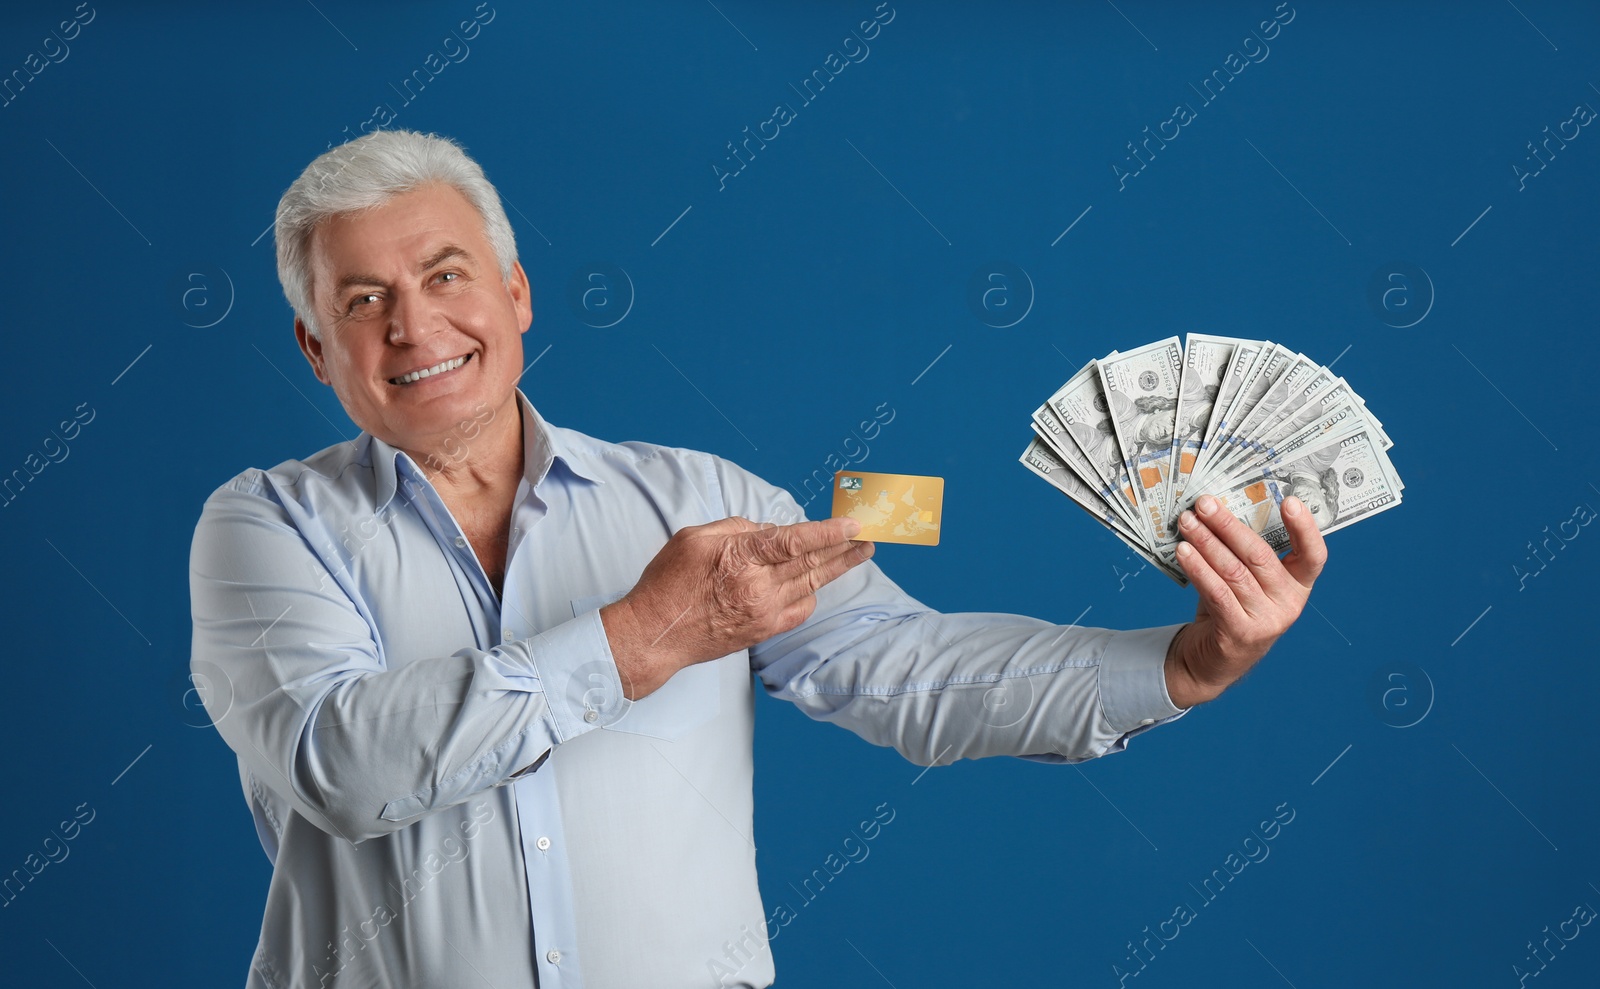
point(542, 447)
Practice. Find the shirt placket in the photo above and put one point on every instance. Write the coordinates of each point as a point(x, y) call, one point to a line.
point(539, 821)
point(546, 867)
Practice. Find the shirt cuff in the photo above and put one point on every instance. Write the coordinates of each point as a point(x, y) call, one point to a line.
point(582, 687)
point(1133, 679)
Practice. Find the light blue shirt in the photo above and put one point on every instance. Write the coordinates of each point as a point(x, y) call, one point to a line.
point(449, 782)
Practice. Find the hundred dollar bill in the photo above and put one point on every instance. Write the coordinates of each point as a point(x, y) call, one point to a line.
point(1285, 419)
point(1273, 364)
point(1341, 481)
point(1043, 461)
point(1137, 437)
point(1297, 372)
point(1270, 364)
point(1291, 388)
point(1323, 392)
point(1056, 433)
point(1141, 388)
point(1335, 422)
point(1244, 358)
point(1040, 458)
point(1047, 427)
point(1235, 384)
point(1205, 360)
point(1081, 407)
point(1377, 424)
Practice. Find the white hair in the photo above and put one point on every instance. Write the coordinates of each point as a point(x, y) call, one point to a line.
point(365, 173)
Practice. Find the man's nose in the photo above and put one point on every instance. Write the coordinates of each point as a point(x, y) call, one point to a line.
point(413, 317)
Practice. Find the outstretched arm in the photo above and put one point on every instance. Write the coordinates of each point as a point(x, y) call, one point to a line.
point(938, 687)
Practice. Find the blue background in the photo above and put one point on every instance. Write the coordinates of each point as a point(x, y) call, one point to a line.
point(832, 274)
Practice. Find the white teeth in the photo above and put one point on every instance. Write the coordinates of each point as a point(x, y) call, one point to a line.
point(440, 368)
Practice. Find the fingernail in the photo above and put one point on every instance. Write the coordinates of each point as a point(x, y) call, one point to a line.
point(1185, 551)
point(1206, 505)
point(1187, 521)
point(1291, 506)
point(851, 527)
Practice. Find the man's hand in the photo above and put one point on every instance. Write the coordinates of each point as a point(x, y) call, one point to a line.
point(1248, 597)
point(717, 588)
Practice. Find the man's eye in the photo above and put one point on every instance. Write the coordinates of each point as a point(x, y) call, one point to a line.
point(360, 299)
point(454, 275)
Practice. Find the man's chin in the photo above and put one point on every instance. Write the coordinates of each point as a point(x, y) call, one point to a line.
point(425, 420)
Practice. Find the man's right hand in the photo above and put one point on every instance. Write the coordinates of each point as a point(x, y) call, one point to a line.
point(717, 588)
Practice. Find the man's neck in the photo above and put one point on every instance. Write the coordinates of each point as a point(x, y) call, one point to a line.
point(478, 457)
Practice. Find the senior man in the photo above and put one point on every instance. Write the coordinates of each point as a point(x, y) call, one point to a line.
point(489, 679)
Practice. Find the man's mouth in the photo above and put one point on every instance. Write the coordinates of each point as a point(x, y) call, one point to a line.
point(443, 367)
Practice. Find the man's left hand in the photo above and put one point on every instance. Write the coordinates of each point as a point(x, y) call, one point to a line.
point(1248, 596)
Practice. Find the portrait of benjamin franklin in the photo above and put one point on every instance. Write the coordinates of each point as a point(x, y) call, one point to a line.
point(1316, 485)
point(1148, 423)
point(1197, 415)
point(1099, 444)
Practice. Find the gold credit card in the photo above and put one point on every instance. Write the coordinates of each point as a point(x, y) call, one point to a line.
point(892, 508)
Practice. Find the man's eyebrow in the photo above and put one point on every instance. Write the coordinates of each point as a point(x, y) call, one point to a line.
point(435, 259)
point(444, 254)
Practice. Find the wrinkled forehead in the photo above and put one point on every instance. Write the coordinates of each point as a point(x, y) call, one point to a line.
point(417, 228)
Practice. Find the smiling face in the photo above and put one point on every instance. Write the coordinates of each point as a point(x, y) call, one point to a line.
point(418, 332)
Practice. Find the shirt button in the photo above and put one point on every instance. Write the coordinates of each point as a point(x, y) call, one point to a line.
point(553, 956)
point(591, 716)
point(461, 542)
point(543, 843)
point(505, 634)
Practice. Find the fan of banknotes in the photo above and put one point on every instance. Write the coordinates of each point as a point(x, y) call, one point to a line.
point(1137, 437)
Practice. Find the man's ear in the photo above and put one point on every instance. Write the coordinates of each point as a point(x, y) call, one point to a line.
point(312, 347)
point(521, 296)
